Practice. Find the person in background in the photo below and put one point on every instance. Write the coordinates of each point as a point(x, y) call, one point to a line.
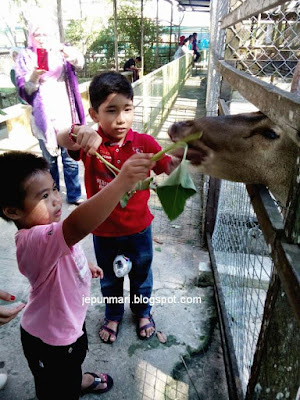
point(6, 315)
point(181, 39)
point(190, 45)
point(183, 49)
point(52, 91)
point(130, 65)
point(195, 48)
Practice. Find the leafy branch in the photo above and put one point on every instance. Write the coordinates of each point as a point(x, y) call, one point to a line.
point(179, 180)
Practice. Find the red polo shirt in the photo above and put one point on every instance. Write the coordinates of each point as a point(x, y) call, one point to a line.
point(136, 216)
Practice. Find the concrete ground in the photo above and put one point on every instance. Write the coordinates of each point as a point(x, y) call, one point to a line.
point(188, 366)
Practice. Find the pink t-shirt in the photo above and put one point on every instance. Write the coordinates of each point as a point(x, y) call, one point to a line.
point(60, 277)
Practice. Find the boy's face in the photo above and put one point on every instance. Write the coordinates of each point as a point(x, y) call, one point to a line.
point(42, 204)
point(114, 116)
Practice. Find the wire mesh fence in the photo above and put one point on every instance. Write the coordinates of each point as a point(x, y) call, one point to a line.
point(157, 106)
point(244, 268)
point(267, 45)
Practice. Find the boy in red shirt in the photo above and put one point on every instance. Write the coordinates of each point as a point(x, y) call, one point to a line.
point(127, 231)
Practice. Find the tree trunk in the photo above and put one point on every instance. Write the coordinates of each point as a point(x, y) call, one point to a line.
point(60, 21)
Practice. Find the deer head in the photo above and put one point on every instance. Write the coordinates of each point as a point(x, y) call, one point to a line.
point(247, 148)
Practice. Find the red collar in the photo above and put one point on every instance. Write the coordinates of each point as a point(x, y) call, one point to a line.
point(128, 138)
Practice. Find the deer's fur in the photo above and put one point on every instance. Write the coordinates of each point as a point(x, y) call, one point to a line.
point(246, 148)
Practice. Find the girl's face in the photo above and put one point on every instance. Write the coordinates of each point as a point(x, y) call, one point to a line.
point(114, 116)
point(42, 204)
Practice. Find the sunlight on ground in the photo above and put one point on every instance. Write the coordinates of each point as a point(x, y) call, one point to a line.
point(18, 140)
point(153, 384)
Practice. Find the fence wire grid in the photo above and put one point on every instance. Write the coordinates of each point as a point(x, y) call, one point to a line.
point(157, 106)
point(244, 268)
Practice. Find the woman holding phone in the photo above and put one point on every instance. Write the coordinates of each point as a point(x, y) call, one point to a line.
point(46, 79)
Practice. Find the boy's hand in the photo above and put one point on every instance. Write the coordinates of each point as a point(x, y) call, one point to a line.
point(7, 314)
point(96, 271)
point(135, 169)
point(88, 139)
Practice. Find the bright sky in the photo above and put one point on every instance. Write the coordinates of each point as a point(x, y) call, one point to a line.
point(189, 18)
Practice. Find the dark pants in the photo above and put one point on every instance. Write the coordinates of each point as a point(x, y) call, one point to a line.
point(138, 248)
point(196, 55)
point(56, 369)
point(71, 172)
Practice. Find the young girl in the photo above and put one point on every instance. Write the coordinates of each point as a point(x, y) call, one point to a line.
point(53, 334)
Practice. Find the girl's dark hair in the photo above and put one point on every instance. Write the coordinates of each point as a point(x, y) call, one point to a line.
point(15, 168)
point(107, 83)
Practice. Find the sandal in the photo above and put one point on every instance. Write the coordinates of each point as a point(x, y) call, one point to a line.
point(91, 389)
point(109, 330)
point(144, 327)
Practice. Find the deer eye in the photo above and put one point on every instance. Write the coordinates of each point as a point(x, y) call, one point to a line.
point(269, 134)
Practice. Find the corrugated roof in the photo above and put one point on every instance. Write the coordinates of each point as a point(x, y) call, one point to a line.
point(194, 5)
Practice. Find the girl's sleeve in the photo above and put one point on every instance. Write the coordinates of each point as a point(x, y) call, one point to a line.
point(39, 249)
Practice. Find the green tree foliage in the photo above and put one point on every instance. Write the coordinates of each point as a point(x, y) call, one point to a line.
point(81, 33)
point(129, 38)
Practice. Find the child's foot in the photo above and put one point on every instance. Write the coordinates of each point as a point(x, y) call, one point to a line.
point(109, 331)
point(146, 327)
point(95, 383)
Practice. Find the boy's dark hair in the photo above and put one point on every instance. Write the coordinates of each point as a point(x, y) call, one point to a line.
point(15, 168)
point(107, 83)
point(138, 58)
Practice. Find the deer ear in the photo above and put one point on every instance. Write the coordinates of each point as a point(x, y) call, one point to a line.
point(12, 213)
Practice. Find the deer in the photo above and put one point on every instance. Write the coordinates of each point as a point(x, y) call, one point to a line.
point(246, 147)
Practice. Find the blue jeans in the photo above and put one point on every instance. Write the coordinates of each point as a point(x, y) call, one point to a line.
point(70, 168)
point(138, 248)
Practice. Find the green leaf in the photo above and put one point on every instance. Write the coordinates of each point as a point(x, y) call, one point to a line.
point(175, 190)
point(124, 200)
point(141, 185)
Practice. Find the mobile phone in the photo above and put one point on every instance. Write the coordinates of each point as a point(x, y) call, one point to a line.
point(42, 59)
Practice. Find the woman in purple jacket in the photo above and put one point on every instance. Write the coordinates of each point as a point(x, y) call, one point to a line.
point(46, 79)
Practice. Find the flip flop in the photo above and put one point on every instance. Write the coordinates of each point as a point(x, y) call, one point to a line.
point(142, 328)
point(91, 389)
point(109, 330)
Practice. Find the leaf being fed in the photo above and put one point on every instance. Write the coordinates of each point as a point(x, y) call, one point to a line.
point(175, 190)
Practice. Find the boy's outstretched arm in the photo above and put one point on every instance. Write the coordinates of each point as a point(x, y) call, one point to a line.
point(85, 137)
point(90, 214)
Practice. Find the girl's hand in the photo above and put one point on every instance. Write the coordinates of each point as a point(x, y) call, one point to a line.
point(96, 271)
point(135, 169)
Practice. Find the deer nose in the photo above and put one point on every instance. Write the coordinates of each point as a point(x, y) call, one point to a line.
point(173, 130)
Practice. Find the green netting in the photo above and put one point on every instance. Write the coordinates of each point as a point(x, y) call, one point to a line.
point(155, 94)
